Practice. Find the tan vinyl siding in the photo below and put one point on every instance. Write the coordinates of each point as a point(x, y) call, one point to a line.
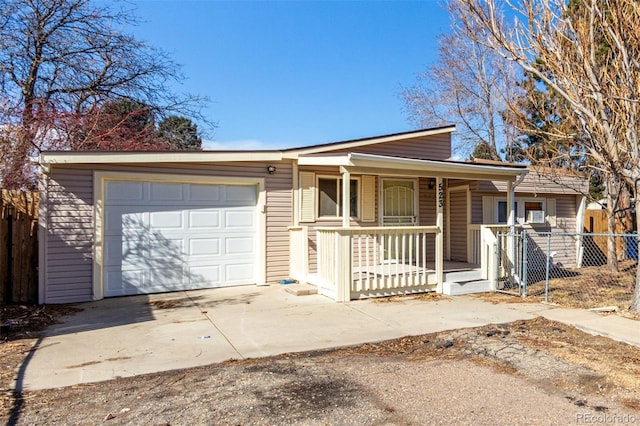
point(566, 211)
point(458, 227)
point(563, 247)
point(69, 236)
point(71, 226)
point(435, 147)
point(477, 214)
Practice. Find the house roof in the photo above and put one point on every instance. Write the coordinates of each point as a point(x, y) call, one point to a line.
point(323, 154)
point(86, 157)
point(354, 143)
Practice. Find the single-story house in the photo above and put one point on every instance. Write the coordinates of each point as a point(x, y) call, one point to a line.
point(123, 223)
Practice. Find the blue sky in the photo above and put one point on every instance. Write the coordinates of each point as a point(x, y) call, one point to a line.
point(283, 74)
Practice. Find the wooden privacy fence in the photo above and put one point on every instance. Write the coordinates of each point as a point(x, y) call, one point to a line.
point(597, 222)
point(18, 246)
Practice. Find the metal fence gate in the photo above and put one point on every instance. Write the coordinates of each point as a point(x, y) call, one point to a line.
point(511, 263)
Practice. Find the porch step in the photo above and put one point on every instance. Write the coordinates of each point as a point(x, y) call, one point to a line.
point(301, 289)
point(466, 287)
point(463, 275)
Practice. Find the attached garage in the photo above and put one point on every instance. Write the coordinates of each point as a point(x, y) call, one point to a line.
point(155, 236)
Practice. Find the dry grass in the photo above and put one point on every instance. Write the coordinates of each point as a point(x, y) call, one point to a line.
point(590, 287)
point(428, 296)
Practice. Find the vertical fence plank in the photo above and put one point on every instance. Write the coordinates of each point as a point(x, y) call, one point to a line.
point(18, 246)
point(5, 252)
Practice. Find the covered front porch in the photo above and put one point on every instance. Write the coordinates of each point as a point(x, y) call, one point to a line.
point(402, 254)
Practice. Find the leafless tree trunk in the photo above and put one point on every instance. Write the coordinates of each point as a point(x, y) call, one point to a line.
point(612, 256)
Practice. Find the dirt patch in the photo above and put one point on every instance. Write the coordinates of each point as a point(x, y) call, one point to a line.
point(536, 371)
point(26, 321)
point(20, 327)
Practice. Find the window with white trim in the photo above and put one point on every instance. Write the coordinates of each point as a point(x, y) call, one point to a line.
point(330, 197)
point(527, 211)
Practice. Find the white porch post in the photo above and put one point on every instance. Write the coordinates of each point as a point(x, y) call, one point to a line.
point(346, 198)
point(343, 244)
point(440, 234)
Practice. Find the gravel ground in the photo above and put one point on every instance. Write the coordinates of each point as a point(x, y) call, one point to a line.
point(526, 372)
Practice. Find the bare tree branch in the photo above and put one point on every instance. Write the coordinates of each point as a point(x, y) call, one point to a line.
point(586, 53)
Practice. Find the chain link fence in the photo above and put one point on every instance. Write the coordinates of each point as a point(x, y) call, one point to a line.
point(573, 269)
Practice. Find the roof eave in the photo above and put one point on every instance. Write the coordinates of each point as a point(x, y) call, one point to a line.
point(121, 157)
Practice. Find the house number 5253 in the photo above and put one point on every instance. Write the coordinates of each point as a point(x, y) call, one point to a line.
point(440, 194)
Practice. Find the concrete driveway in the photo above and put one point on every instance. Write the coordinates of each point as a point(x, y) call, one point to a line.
point(128, 336)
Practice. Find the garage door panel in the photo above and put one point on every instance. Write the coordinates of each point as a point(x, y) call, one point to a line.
point(208, 275)
point(239, 219)
point(181, 236)
point(209, 193)
point(167, 278)
point(166, 192)
point(119, 218)
point(239, 245)
point(204, 247)
point(238, 274)
point(160, 220)
point(124, 191)
point(240, 194)
point(204, 219)
point(166, 249)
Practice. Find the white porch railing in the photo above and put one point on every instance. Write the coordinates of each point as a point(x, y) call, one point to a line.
point(374, 260)
point(487, 242)
point(298, 253)
point(474, 241)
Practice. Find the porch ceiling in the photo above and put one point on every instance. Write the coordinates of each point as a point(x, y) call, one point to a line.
point(379, 164)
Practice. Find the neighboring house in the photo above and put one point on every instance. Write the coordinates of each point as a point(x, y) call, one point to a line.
point(121, 223)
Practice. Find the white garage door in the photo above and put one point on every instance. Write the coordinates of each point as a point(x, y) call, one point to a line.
point(176, 236)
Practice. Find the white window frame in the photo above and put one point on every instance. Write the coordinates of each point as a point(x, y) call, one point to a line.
point(338, 179)
point(520, 211)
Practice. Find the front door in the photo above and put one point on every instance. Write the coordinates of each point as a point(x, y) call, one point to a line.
point(398, 209)
point(399, 202)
